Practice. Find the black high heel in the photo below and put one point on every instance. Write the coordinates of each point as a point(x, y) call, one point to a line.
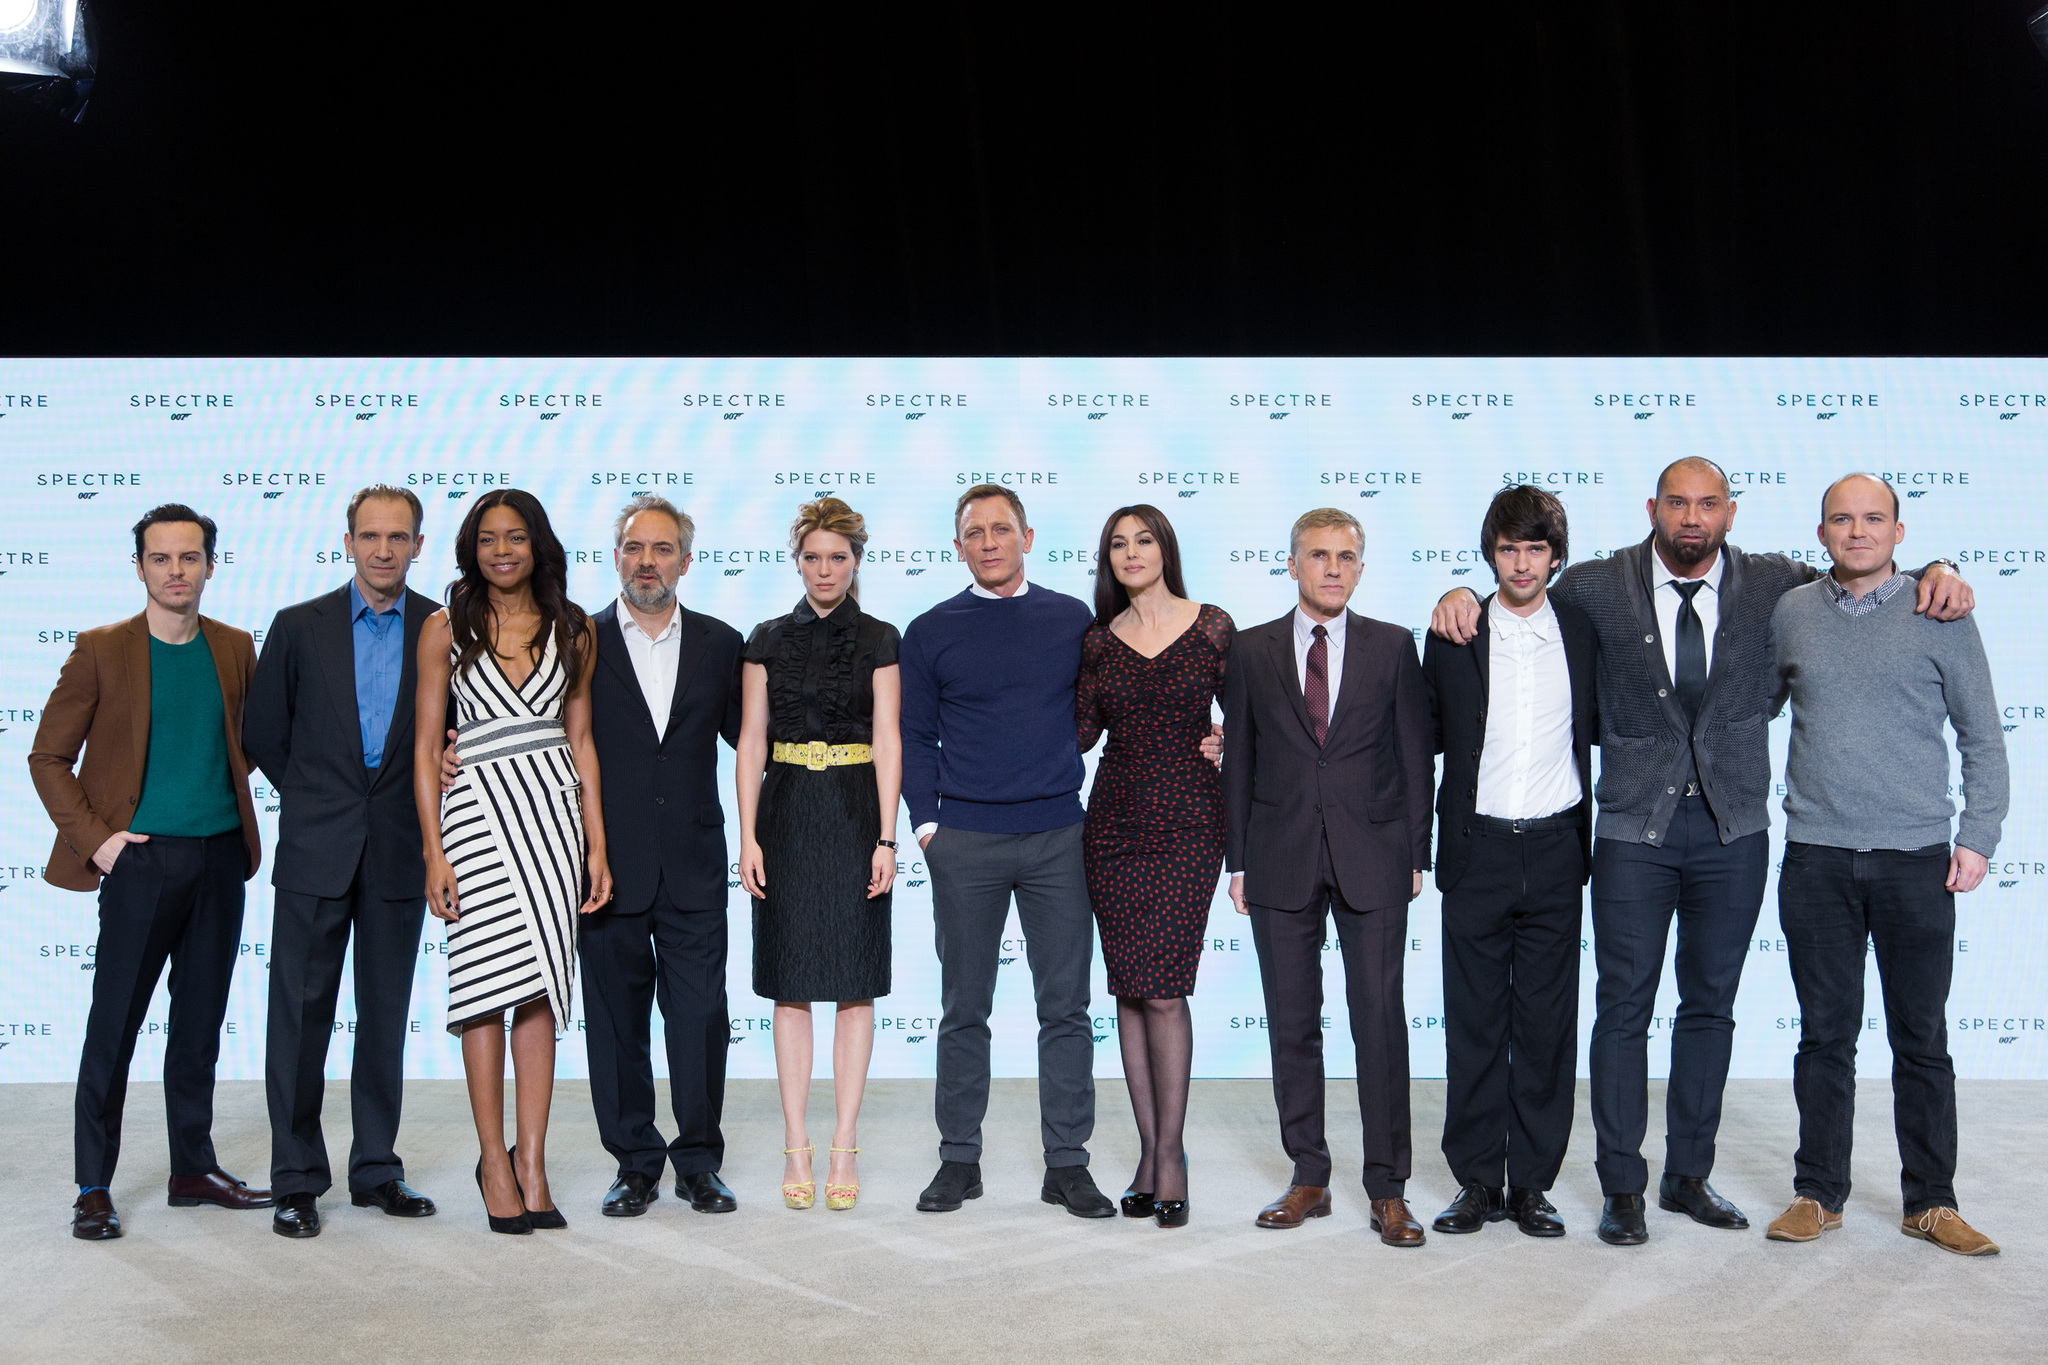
point(1173, 1213)
point(1136, 1203)
point(548, 1219)
point(515, 1227)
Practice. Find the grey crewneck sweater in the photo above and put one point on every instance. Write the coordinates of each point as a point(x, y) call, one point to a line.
point(1869, 765)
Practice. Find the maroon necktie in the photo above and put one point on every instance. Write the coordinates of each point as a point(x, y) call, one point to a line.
point(1316, 691)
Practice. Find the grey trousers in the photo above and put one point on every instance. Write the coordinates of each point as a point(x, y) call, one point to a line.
point(973, 877)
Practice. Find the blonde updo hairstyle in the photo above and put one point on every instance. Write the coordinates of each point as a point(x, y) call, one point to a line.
point(831, 514)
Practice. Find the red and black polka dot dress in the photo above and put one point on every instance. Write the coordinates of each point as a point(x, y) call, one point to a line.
point(1154, 835)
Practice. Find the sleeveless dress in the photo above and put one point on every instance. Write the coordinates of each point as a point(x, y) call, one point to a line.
point(1153, 840)
point(512, 827)
point(817, 936)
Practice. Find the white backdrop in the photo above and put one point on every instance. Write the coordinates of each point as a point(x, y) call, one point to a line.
point(1233, 450)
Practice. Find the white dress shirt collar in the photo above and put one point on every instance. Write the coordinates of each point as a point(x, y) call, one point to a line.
point(627, 621)
point(974, 586)
point(1305, 627)
point(1541, 622)
point(1660, 573)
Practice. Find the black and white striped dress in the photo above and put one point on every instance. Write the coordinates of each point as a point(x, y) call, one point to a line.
point(512, 827)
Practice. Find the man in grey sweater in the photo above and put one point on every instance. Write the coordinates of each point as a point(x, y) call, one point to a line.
point(1867, 858)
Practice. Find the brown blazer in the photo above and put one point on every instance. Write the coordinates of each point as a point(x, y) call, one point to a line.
point(102, 703)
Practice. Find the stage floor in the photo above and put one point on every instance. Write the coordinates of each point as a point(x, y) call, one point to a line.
point(1008, 1277)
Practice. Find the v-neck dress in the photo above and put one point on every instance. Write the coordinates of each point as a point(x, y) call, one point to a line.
point(1153, 840)
point(512, 827)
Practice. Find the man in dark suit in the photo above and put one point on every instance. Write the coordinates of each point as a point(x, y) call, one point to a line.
point(1512, 714)
point(1326, 778)
point(329, 722)
point(666, 689)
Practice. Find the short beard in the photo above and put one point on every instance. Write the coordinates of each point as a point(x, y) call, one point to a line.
point(651, 601)
point(1690, 555)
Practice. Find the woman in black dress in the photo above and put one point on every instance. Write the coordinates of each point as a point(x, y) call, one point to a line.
point(820, 770)
point(1151, 669)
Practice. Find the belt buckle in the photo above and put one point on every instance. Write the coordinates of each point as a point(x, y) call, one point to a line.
point(815, 755)
point(1692, 789)
point(1516, 824)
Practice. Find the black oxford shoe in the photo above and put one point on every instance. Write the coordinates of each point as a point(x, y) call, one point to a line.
point(93, 1218)
point(956, 1183)
point(396, 1198)
point(296, 1215)
point(1692, 1196)
point(630, 1195)
point(1534, 1214)
point(1072, 1188)
point(1473, 1209)
point(706, 1192)
point(1621, 1221)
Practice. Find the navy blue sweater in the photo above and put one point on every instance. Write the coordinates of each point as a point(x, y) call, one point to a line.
point(988, 712)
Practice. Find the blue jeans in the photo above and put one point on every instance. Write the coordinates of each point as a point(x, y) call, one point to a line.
point(1834, 903)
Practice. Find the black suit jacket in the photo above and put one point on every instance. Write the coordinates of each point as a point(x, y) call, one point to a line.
point(301, 727)
point(1367, 785)
point(662, 817)
point(1459, 687)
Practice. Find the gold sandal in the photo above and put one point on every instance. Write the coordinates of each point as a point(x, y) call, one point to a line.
point(840, 1197)
point(799, 1194)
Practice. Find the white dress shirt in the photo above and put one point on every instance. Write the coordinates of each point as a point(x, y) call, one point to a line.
point(1528, 768)
point(1706, 604)
point(654, 661)
point(973, 586)
point(1333, 645)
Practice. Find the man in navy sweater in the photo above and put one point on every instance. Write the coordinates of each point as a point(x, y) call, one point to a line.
point(992, 775)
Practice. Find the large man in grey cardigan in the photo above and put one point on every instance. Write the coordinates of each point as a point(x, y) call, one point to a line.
point(1686, 686)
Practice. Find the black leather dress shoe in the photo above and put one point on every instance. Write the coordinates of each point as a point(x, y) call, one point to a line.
point(396, 1198)
point(1473, 1209)
point(956, 1183)
point(93, 1218)
point(630, 1195)
point(1074, 1189)
point(1534, 1214)
point(706, 1192)
point(1621, 1221)
point(296, 1215)
point(1692, 1196)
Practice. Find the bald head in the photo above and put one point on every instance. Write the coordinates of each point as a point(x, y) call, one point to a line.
point(1859, 481)
point(1693, 465)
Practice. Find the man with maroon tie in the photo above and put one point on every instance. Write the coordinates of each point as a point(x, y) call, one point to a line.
point(1327, 772)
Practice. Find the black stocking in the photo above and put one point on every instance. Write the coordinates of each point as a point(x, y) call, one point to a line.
point(1131, 1039)
point(1170, 1041)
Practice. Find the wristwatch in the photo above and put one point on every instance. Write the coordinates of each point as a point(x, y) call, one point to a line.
point(885, 843)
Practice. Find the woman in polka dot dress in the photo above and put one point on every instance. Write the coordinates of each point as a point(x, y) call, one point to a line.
point(1151, 670)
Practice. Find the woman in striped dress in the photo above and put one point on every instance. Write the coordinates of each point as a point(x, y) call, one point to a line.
point(515, 850)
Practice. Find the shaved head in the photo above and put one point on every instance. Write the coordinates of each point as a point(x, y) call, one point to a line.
point(1867, 478)
point(1693, 464)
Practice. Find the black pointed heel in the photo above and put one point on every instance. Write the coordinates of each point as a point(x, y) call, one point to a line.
point(1136, 1203)
point(1171, 1213)
point(513, 1227)
point(541, 1219)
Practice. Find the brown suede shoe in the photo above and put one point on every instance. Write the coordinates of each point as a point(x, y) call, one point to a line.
point(1805, 1221)
point(1395, 1224)
point(1947, 1230)
point(216, 1187)
point(1297, 1206)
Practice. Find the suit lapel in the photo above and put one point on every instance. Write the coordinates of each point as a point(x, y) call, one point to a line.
point(334, 645)
point(1482, 650)
point(135, 655)
point(612, 654)
point(1351, 683)
point(690, 633)
point(1280, 646)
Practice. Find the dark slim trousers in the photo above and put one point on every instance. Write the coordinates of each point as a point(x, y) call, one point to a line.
point(1374, 944)
point(1715, 890)
point(309, 938)
point(172, 899)
point(1511, 1007)
point(974, 876)
point(1833, 903)
point(675, 955)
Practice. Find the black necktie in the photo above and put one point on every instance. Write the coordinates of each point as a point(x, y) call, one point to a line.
point(1691, 681)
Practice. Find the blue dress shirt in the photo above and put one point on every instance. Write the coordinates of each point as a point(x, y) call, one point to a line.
point(380, 657)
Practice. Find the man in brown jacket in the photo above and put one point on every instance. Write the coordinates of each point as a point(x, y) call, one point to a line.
point(158, 817)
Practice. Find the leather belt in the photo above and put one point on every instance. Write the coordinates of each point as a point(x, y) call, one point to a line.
point(817, 755)
point(1493, 824)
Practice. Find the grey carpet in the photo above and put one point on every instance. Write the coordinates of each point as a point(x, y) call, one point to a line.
point(1008, 1277)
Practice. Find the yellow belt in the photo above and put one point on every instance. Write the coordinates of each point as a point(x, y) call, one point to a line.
point(818, 755)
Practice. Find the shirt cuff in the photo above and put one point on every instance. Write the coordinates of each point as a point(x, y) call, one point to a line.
point(922, 830)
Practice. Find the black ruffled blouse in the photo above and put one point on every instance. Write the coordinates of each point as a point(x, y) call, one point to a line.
point(821, 672)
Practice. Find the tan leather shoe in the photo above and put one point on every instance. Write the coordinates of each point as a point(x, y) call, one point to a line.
point(1297, 1206)
point(1805, 1221)
point(1395, 1224)
point(1947, 1230)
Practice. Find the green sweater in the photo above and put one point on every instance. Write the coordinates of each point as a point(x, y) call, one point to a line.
point(186, 787)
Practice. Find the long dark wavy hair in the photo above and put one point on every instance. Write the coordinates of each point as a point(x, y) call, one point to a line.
point(1110, 596)
point(469, 596)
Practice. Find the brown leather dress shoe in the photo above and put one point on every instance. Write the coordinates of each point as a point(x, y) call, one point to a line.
point(1297, 1206)
point(216, 1187)
point(1395, 1225)
point(93, 1218)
